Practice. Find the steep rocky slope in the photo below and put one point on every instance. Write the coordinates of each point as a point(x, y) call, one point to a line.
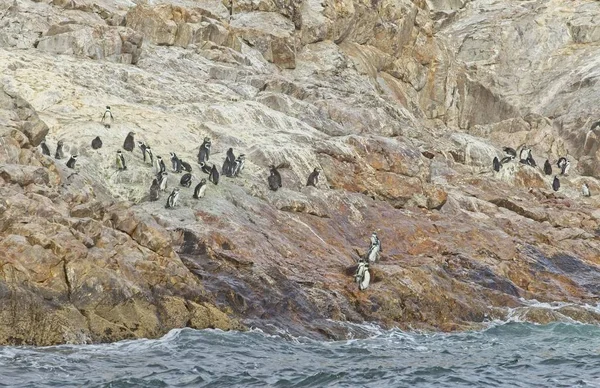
point(402, 104)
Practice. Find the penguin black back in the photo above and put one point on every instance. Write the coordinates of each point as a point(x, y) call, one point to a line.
point(214, 175)
point(274, 179)
point(154, 190)
point(71, 162)
point(129, 143)
point(555, 184)
point(186, 180)
point(45, 149)
point(204, 151)
point(547, 168)
point(59, 154)
point(313, 178)
point(496, 164)
point(96, 143)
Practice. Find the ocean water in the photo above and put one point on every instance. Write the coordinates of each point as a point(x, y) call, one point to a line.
point(511, 354)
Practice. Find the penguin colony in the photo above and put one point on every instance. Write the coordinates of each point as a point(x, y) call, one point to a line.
point(233, 167)
point(526, 157)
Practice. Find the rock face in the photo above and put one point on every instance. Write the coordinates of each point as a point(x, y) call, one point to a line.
point(401, 104)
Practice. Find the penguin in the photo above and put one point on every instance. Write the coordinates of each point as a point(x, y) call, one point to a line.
point(162, 180)
point(176, 163)
point(313, 178)
point(71, 162)
point(96, 143)
point(142, 146)
point(154, 190)
point(129, 143)
point(496, 164)
point(214, 175)
point(149, 155)
point(59, 154)
point(595, 125)
point(530, 161)
point(107, 117)
point(205, 169)
point(547, 168)
point(229, 163)
point(524, 154)
point(555, 183)
point(362, 275)
point(564, 165)
point(159, 165)
point(374, 249)
point(585, 189)
point(45, 149)
point(185, 166)
point(204, 152)
point(239, 164)
point(186, 180)
point(505, 160)
point(121, 161)
point(510, 152)
point(200, 189)
point(173, 198)
point(274, 179)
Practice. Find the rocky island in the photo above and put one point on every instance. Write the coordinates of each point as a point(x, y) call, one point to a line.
point(402, 104)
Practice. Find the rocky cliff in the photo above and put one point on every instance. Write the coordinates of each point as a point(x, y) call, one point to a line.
point(402, 104)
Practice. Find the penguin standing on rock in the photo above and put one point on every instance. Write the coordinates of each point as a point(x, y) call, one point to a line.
point(45, 149)
point(159, 165)
point(107, 117)
point(59, 154)
point(173, 199)
point(585, 190)
point(274, 179)
point(547, 168)
point(496, 164)
point(71, 162)
point(129, 143)
point(200, 189)
point(204, 152)
point(214, 175)
point(374, 249)
point(154, 190)
point(511, 154)
point(121, 161)
point(530, 161)
point(162, 180)
point(175, 162)
point(96, 143)
point(524, 154)
point(313, 178)
point(239, 165)
point(229, 163)
point(564, 165)
point(149, 155)
point(362, 275)
point(142, 147)
point(186, 180)
point(555, 183)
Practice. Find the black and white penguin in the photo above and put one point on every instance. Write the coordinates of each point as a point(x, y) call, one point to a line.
point(71, 162)
point(547, 168)
point(96, 143)
point(159, 165)
point(175, 162)
point(523, 154)
point(530, 160)
point(186, 180)
point(200, 189)
point(149, 155)
point(129, 143)
point(173, 199)
point(154, 190)
point(585, 190)
point(362, 275)
point(510, 152)
point(496, 164)
point(214, 175)
point(162, 180)
point(121, 161)
point(59, 154)
point(205, 169)
point(45, 149)
point(274, 178)
point(142, 147)
point(185, 166)
point(564, 165)
point(239, 164)
point(555, 183)
point(107, 117)
point(313, 178)
point(374, 249)
point(204, 152)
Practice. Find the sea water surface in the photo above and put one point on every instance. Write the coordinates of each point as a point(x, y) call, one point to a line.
point(512, 354)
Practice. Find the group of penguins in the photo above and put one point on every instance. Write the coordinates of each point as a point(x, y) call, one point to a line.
point(232, 166)
point(526, 157)
point(362, 275)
